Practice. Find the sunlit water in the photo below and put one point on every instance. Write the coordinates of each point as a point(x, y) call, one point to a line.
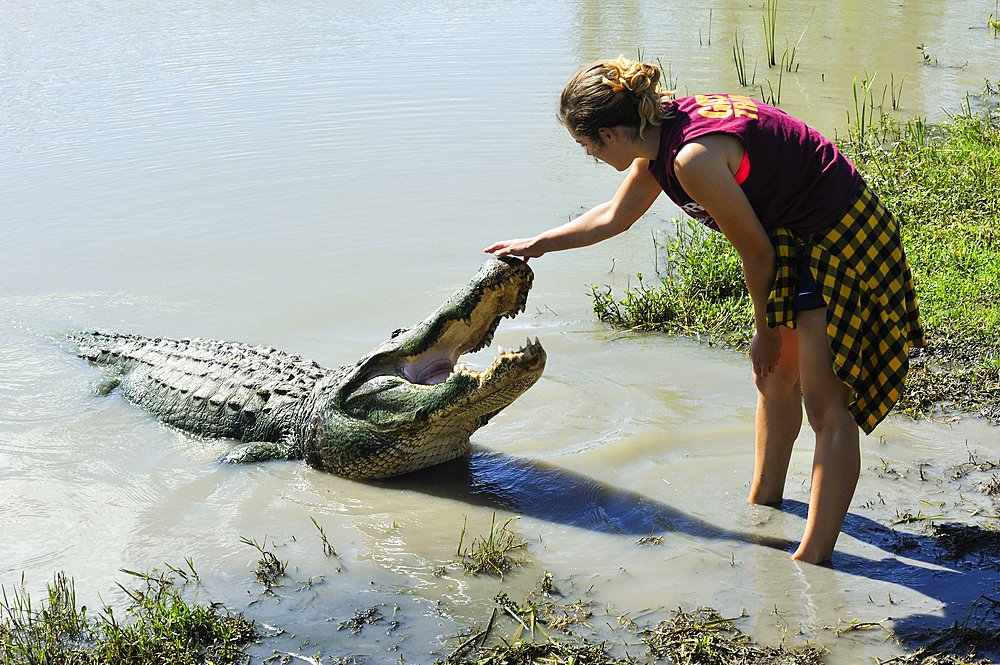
point(313, 175)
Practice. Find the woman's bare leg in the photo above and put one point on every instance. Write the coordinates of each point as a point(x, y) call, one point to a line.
point(837, 459)
point(778, 421)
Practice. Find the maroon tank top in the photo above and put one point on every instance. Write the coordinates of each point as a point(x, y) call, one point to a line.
point(797, 178)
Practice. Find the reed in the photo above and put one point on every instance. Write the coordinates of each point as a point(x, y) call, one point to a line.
point(739, 56)
point(667, 80)
point(791, 60)
point(896, 99)
point(775, 98)
point(864, 108)
point(770, 18)
point(709, 30)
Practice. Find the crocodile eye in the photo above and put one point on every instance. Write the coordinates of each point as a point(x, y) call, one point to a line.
point(397, 332)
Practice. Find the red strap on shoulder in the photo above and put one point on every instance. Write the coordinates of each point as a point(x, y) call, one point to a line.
point(744, 171)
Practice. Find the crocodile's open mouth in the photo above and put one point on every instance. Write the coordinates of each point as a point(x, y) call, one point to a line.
point(426, 357)
point(472, 331)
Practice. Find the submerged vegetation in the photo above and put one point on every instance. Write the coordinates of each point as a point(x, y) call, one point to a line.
point(943, 184)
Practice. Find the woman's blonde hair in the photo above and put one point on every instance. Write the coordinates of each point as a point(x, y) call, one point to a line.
point(614, 93)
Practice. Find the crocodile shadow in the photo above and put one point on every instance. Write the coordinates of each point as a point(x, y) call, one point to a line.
point(546, 492)
point(543, 491)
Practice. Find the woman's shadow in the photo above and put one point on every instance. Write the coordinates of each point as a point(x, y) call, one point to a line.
point(546, 492)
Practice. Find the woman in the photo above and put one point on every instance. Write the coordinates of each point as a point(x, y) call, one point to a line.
point(833, 303)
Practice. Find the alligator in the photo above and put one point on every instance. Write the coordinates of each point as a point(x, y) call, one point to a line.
point(406, 405)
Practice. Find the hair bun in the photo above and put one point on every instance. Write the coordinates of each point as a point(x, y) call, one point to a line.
point(635, 77)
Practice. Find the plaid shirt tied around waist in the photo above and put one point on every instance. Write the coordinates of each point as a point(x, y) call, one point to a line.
point(872, 316)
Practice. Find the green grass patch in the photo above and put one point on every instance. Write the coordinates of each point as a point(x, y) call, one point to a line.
point(491, 554)
point(943, 184)
point(158, 627)
point(699, 290)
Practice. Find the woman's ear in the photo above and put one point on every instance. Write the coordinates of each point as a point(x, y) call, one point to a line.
point(608, 134)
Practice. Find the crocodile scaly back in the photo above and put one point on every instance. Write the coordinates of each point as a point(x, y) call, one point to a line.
point(206, 387)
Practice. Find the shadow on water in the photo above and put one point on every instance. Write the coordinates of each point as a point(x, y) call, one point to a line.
point(966, 583)
point(546, 492)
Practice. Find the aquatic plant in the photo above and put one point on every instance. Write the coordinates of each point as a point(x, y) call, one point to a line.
point(770, 18)
point(865, 107)
point(269, 567)
point(667, 81)
point(158, 627)
point(775, 98)
point(705, 636)
point(327, 547)
point(739, 56)
point(892, 87)
point(490, 554)
point(791, 59)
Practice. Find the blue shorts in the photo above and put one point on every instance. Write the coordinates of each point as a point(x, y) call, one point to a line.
point(809, 296)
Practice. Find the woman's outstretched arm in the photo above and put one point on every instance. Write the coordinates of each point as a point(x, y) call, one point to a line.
point(632, 199)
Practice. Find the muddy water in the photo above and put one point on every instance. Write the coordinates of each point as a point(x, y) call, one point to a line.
point(313, 175)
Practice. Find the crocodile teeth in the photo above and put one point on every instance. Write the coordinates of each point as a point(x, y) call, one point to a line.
point(499, 349)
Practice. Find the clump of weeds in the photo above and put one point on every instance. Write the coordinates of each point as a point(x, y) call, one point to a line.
point(523, 635)
point(491, 554)
point(269, 568)
point(705, 636)
point(699, 290)
point(158, 626)
point(960, 540)
point(960, 644)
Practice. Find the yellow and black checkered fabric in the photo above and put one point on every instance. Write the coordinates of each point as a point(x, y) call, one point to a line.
point(872, 317)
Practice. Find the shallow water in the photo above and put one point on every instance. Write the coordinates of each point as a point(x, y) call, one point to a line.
point(313, 175)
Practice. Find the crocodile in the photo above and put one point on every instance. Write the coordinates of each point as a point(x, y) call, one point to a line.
point(406, 405)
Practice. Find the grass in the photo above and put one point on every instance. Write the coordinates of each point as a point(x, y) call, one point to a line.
point(791, 59)
point(943, 184)
point(328, 549)
point(158, 627)
point(740, 57)
point(490, 554)
point(770, 19)
point(269, 569)
point(698, 291)
point(540, 631)
point(704, 636)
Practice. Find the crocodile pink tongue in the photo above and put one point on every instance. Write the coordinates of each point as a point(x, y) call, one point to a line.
point(437, 372)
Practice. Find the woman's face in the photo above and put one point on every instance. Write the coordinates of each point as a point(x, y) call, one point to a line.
point(612, 148)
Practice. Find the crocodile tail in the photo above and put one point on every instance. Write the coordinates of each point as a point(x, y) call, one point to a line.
point(206, 387)
point(109, 349)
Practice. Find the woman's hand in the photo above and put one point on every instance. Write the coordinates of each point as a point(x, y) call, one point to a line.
point(601, 222)
point(524, 248)
point(765, 350)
